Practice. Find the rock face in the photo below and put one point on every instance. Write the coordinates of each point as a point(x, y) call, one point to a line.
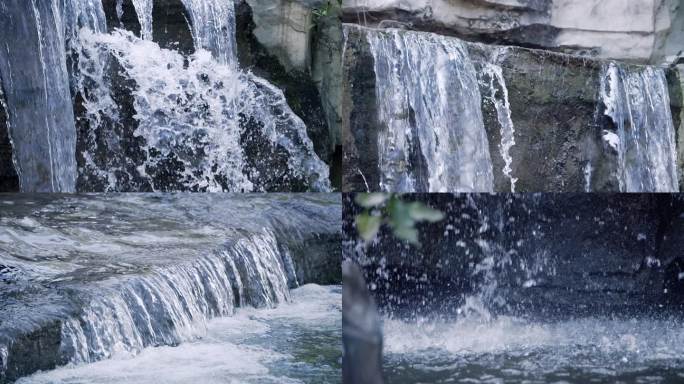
point(545, 256)
point(547, 118)
point(639, 30)
point(296, 45)
point(9, 181)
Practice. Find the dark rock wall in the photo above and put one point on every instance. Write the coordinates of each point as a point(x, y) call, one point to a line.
point(570, 255)
point(128, 19)
point(171, 26)
point(360, 125)
point(9, 181)
point(553, 101)
point(32, 352)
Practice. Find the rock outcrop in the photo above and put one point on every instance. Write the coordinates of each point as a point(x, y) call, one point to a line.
point(638, 30)
point(296, 44)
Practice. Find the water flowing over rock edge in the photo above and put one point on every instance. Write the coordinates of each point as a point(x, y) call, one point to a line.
point(171, 304)
point(216, 34)
point(564, 89)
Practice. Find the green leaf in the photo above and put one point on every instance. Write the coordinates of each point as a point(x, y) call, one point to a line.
point(409, 234)
point(371, 200)
point(399, 214)
point(421, 212)
point(368, 226)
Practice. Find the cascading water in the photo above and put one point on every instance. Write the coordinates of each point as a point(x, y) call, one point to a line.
point(131, 271)
point(147, 118)
point(498, 96)
point(637, 100)
point(34, 76)
point(213, 28)
point(173, 305)
point(433, 136)
point(196, 117)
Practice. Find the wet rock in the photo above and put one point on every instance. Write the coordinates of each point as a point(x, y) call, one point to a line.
point(30, 352)
point(171, 27)
point(326, 72)
point(361, 330)
point(121, 14)
point(9, 181)
point(276, 43)
point(359, 117)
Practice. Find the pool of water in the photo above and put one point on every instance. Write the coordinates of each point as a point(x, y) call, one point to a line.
point(297, 342)
point(514, 350)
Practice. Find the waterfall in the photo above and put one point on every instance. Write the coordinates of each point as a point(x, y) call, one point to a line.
point(34, 76)
point(99, 111)
point(196, 123)
point(213, 28)
point(637, 101)
point(212, 22)
point(144, 10)
point(433, 136)
point(498, 95)
point(173, 304)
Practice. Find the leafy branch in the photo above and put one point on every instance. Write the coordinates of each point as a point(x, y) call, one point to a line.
point(389, 209)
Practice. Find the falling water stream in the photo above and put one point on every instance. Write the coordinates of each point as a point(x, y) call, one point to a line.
point(33, 74)
point(432, 136)
point(101, 110)
point(637, 101)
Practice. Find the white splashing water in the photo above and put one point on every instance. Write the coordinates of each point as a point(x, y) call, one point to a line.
point(244, 348)
point(190, 109)
point(429, 106)
point(499, 97)
point(173, 305)
point(174, 105)
point(637, 101)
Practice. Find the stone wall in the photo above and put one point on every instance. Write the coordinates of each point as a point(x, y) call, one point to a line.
point(635, 30)
point(568, 255)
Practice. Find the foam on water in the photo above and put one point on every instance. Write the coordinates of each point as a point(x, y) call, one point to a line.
point(507, 349)
point(254, 346)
